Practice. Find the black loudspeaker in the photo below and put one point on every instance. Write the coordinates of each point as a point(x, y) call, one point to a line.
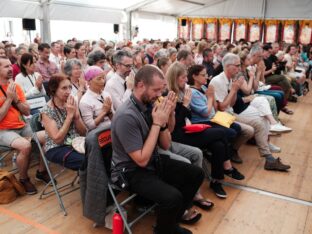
point(116, 28)
point(183, 22)
point(29, 24)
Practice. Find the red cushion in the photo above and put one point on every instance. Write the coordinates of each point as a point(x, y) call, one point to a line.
point(195, 128)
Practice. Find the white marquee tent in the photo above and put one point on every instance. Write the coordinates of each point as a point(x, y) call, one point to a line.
point(128, 13)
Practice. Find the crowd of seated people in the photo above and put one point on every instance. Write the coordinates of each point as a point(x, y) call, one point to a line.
point(149, 94)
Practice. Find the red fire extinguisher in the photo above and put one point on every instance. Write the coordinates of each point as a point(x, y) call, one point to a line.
point(117, 223)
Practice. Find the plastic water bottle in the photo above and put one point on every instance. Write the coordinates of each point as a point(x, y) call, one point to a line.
point(14, 160)
point(117, 223)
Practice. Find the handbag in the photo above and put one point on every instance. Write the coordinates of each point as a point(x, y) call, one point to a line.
point(10, 187)
point(192, 128)
point(223, 118)
point(78, 143)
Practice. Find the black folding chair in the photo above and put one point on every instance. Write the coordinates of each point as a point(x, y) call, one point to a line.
point(105, 142)
point(36, 126)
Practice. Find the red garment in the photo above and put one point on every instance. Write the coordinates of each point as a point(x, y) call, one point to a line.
point(16, 69)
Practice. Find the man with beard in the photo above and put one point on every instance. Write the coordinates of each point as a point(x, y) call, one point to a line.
point(14, 132)
point(117, 86)
point(137, 130)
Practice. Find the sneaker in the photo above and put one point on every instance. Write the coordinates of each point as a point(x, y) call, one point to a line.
point(44, 177)
point(279, 128)
point(236, 158)
point(28, 186)
point(276, 165)
point(234, 173)
point(218, 189)
point(274, 148)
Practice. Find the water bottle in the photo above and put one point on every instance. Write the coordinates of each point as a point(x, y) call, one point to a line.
point(14, 160)
point(117, 223)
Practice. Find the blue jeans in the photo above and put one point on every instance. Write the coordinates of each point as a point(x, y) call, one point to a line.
point(66, 156)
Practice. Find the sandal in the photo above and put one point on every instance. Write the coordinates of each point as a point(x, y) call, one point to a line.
point(287, 111)
point(204, 204)
point(190, 217)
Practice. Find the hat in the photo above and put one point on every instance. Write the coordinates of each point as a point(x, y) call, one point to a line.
point(92, 72)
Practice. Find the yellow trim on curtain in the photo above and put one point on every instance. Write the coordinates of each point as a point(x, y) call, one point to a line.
point(240, 21)
point(271, 22)
point(197, 20)
point(225, 21)
point(305, 22)
point(288, 22)
point(210, 20)
point(254, 21)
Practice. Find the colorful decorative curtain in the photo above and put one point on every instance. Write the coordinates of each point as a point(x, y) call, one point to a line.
point(254, 30)
point(289, 31)
point(211, 29)
point(305, 32)
point(240, 29)
point(184, 31)
point(271, 30)
point(225, 29)
point(197, 28)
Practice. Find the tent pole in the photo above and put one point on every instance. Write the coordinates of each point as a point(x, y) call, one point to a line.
point(45, 21)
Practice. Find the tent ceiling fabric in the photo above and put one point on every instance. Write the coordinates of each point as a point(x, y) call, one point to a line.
point(116, 11)
point(21, 9)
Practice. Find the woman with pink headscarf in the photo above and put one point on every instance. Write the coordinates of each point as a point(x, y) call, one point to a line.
point(96, 104)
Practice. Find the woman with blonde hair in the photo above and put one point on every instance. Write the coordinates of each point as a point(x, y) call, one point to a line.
point(213, 139)
point(198, 58)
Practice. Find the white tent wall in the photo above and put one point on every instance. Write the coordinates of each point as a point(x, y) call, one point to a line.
point(230, 8)
point(11, 29)
point(288, 9)
point(279, 9)
point(65, 30)
point(154, 26)
point(160, 21)
point(60, 11)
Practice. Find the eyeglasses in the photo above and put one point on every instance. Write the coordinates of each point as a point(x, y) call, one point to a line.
point(236, 65)
point(127, 65)
point(203, 74)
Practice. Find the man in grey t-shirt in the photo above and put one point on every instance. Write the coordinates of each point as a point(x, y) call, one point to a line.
point(137, 128)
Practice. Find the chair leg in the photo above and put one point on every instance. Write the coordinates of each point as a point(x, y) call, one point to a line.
point(51, 177)
point(119, 209)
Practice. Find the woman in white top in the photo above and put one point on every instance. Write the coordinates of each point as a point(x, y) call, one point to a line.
point(28, 79)
point(96, 105)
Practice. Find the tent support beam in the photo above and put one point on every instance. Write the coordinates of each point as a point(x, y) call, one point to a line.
point(45, 21)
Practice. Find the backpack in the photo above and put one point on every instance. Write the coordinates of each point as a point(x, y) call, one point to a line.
point(10, 187)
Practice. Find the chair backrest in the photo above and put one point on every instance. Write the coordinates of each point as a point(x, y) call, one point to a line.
point(35, 124)
point(105, 142)
point(37, 102)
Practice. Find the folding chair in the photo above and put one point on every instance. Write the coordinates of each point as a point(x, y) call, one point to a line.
point(37, 102)
point(4, 152)
point(36, 126)
point(105, 142)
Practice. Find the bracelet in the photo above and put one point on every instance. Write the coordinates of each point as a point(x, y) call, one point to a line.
point(156, 124)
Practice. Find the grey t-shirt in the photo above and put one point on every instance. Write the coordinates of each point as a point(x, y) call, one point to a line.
point(129, 132)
